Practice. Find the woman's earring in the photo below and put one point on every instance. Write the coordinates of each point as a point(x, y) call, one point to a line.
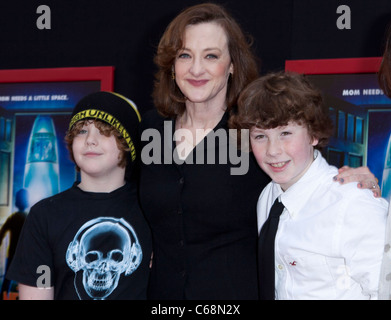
point(172, 73)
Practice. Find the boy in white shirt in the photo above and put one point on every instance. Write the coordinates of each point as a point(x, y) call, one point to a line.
point(330, 237)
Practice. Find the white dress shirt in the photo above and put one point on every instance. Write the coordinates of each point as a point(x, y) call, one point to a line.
point(385, 274)
point(330, 238)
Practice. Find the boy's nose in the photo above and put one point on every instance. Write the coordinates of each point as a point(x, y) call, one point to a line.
point(91, 139)
point(273, 148)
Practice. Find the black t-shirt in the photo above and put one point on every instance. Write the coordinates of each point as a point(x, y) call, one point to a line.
point(203, 217)
point(93, 245)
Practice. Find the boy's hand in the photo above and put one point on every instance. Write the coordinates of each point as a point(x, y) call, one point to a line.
point(362, 175)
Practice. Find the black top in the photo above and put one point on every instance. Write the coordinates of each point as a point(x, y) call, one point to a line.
point(203, 218)
point(93, 245)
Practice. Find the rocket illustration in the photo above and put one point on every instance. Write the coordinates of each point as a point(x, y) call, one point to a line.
point(41, 175)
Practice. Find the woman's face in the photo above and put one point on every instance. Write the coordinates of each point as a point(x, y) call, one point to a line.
point(203, 65)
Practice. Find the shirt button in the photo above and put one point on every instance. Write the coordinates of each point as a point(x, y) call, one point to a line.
point(181, 180)
point(280, 267)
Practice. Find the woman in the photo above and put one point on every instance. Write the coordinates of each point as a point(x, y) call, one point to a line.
point(201, 211)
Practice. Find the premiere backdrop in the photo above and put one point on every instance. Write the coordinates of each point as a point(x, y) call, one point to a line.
point(125, 33)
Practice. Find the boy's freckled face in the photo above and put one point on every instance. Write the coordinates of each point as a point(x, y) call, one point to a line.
point(94, 153)
point(284, 153)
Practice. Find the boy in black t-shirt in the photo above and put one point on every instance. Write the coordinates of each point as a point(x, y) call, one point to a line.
point(92, 240)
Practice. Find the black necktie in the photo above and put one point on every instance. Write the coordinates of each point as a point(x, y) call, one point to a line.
point(266, 260)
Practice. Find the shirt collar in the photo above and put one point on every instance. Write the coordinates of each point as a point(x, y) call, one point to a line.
point(295, 198)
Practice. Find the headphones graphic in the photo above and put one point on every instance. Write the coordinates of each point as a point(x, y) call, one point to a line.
point(134, 252)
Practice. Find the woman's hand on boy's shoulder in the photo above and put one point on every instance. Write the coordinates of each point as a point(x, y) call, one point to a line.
point(362, 175)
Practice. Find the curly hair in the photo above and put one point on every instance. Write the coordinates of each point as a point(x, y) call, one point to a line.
point(167, 97)
point(276, 99)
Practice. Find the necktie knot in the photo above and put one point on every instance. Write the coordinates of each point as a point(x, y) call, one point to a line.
point(276, 209)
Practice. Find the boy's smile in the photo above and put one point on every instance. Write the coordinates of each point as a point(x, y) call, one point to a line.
point(278, 166)
point(92, 154)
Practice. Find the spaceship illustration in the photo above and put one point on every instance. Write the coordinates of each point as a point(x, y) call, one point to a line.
point(41, 175)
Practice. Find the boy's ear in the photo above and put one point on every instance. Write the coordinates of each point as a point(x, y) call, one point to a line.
point(315, 141)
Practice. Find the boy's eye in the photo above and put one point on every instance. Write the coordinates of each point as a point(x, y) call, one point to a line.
point(82, 131)
point(258, 136)
point(285, 133)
